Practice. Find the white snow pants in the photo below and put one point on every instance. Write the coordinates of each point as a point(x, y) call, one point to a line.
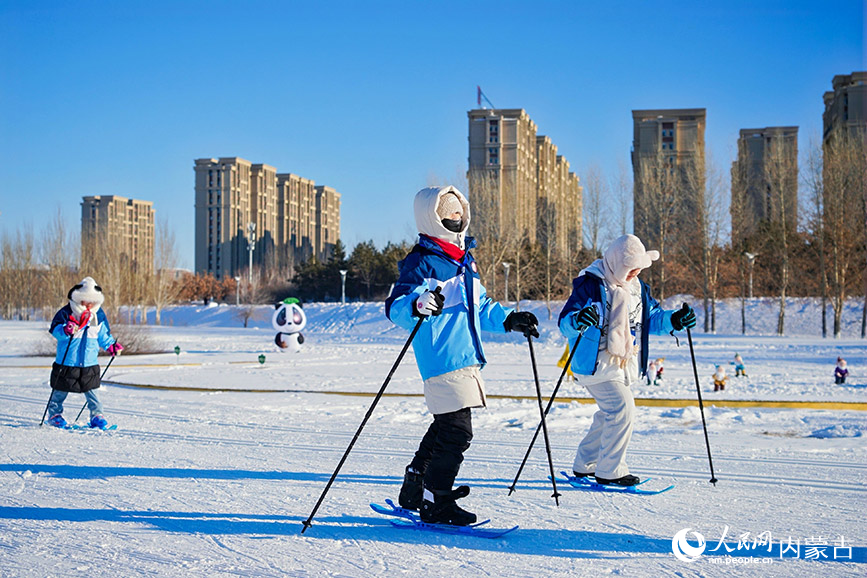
point(603, 449)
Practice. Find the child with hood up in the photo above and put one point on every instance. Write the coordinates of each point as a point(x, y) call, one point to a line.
point(80, 328)
point(840, 372)
point(439, 283)
point(720, 378)
point(740, 369)
point(609, 317)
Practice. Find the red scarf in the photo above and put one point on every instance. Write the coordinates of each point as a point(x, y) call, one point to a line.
point(451, 250)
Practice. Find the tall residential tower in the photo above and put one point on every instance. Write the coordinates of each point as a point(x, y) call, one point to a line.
point(126, 225)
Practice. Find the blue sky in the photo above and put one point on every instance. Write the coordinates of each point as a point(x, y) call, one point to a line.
point(102, 98)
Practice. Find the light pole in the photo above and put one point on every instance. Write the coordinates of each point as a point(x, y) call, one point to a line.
point(343, 286)
point(251, 246)
point(237, 290)
point(751, 258)
point(506, 267)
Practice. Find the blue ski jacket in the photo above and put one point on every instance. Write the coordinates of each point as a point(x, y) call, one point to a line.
point(589, 289)
point(84, 348)
point(451, 340)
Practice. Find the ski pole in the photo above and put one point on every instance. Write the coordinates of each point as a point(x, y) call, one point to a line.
point(62, 364)
point(100, 380)
point(556, 494)
point(547, 409)
point(713, 479)
point(308, 522)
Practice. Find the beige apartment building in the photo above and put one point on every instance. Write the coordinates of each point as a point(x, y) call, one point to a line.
point(764, 180)
point(519, 186)
point(126, 225)
point(668, 159)
point(290, 223)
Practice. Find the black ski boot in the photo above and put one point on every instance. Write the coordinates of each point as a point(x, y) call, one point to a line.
point(439, 507)
point(412, 490)
point(627, 480)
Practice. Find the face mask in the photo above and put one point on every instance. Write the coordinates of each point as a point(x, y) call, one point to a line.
point(453, 225)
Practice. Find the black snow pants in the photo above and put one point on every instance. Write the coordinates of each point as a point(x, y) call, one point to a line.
point(442, 448)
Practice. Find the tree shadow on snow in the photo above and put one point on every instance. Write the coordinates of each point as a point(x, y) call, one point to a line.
point(103, 472)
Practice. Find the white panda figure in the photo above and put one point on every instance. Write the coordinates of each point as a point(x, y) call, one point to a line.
point(289, 320)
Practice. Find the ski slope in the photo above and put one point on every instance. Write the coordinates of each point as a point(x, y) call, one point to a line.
point(206, 481)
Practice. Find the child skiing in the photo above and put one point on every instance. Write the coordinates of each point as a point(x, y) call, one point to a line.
point(840, 372)
point(609, 317)
point(439, 283)
point(80, 328)
point(658, 369)
point(740, 370)
point(720, 378)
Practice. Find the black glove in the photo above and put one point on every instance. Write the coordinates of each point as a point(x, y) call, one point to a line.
point(522, 321)
point(429, 303)
point(587, 317)
point(683, 318)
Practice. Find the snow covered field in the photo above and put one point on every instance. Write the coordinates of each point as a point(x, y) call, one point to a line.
point(218, 483)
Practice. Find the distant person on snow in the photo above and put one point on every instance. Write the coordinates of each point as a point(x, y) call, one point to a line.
point(447, 347)
point(80, 328)
point(740, 369)
point(617, 314)
point(840, 372)
point(720, 378)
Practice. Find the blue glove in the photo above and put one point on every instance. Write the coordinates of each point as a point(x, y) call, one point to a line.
point(683, 318)
point(587, 317)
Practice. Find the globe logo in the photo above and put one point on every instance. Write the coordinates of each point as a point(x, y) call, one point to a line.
point(683, 550)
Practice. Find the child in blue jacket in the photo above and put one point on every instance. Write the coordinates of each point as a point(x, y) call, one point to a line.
point(80, 328)
point(610, 315)
point(439, 283)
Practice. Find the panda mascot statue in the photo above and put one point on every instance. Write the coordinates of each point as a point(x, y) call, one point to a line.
point(289, 320)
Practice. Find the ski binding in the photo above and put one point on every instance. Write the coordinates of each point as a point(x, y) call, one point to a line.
point(410, 520)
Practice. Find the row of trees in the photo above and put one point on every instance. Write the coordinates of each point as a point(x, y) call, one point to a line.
point(823, 253)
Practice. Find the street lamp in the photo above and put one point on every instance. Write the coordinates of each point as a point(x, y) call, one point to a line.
point(751, 258)
point(251, 246)
point(237, 290)
point(506, 267)
point(343, 286)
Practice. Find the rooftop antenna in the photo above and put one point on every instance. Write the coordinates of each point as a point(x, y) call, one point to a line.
point(481, 95)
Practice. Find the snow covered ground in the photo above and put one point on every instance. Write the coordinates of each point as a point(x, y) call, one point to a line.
point(218, 483)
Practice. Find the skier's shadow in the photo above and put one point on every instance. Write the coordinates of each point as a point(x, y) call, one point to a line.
point(579, 544)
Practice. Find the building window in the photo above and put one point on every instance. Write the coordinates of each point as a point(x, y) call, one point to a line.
point(493, 156)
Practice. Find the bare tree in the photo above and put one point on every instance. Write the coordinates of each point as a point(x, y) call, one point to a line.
point(622, 201)
point(703, 254)
point(844, 198)
point(596, 193)
point(659, 208)
point(813, 181)
point(781, 180)
point(164, 288)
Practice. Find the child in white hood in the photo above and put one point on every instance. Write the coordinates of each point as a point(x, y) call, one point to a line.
point(608, 318)
point(439, 284)
point(80, 328)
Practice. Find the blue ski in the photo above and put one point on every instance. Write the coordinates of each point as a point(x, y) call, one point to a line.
point(87, 427)
point(411, 521)
point(587, 484)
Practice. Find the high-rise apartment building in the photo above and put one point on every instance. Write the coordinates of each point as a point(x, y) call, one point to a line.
point(520, 187)
point(232, 193)
point(126, 225)
point(764, 180)
point(846, 106)
point(668, 159)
